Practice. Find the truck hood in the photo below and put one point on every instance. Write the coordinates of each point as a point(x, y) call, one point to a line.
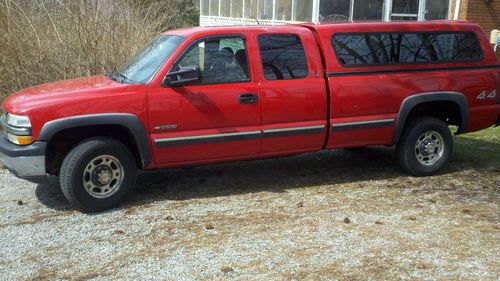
point(24, 100)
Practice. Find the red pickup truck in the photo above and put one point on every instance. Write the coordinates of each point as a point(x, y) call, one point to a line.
point(205, 95)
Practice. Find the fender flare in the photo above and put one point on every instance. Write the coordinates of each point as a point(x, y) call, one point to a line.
point(126, 120)
point(410, 102)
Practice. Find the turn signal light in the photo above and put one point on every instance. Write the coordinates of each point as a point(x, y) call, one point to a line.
point(20, 140)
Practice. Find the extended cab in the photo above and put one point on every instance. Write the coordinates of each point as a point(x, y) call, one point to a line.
point(205, 95)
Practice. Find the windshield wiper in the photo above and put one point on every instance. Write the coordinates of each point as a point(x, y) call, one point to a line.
point(117, 76)
point(111, 75)
point(123, 77)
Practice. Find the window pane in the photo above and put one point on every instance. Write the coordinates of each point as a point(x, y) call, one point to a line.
point(194, 57)
point(400, 48)
point(437, 9)
point(225, 8)
point(334, 10)
point(250, 9)
point(214, 8)
point(204, 7)
point(220, 60)
point(368, 9)
point(284, 9)
point(458, 47)
point(405, 6)
point(282, 56)
point(414, 18)
point(352, 49)
point(236, 8)
point(303, 10)
point(415, 48)
point(265, 9)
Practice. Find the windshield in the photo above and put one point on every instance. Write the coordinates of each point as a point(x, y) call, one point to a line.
point(147, 61)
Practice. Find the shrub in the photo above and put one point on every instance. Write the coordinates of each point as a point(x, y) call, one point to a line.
point(49, 40)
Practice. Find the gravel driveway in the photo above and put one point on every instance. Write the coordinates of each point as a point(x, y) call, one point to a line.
point(346, 215)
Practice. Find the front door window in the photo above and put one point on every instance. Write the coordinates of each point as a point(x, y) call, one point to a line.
point(221, 60)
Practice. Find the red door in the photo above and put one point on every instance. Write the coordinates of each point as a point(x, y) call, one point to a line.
point(218, 117)
point(293, 90)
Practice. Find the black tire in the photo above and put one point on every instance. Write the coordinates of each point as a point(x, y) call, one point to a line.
point(80, 171)
point(423, 157)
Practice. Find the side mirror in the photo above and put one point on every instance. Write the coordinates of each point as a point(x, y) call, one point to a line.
point(183, 76)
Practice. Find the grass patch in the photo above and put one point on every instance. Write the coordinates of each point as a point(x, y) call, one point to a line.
point(480, 148)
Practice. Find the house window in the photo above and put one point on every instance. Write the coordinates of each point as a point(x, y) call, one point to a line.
point(236, 8)
point(303, 10)
point(277, 11)
point(225, 8)
point(204, 7)
point(283, 9)
point(265, 11)
point(368, 9)
point(214, 8)
point(405, 9)
point(335, 10)
point(437, 9)
point(250, 9)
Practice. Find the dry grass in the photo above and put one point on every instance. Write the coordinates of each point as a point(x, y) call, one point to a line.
point(49, 40)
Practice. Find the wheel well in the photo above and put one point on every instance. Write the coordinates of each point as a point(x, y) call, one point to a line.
point(62, 142)
point(446, 111)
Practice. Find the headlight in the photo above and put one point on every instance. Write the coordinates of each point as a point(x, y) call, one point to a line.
point(18, 121)
point(18, 128)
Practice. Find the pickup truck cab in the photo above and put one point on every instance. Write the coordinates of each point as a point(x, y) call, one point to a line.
point(205, 95)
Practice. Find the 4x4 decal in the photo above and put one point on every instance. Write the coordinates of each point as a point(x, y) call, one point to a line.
point(483, 95)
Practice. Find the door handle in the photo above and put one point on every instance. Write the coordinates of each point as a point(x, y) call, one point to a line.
point(248, 98)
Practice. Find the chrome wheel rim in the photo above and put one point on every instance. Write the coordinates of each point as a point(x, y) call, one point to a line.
point(429, 148)
point(103, 176)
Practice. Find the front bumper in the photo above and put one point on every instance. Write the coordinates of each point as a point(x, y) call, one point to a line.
point(26, 162)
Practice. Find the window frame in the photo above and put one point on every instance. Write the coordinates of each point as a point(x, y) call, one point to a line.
point(262, 63)
point(481, 58)
point(186, 50)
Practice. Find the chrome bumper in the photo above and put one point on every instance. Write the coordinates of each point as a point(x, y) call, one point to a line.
point(26, 162)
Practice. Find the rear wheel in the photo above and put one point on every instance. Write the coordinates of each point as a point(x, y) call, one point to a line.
point(98, 174)
point(425, 146)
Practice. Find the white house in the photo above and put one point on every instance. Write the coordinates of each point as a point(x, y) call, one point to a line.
point(238, 12)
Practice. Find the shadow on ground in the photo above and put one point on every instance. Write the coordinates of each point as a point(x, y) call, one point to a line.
point(281, 174)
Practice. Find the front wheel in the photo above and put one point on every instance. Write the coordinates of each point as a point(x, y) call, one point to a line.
point(425, 146)
point(98, 174)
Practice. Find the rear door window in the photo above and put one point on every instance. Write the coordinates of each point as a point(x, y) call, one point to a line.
point(282, 56)
point(362, 49)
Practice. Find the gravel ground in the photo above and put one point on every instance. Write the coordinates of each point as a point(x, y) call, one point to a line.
point(346, 215)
